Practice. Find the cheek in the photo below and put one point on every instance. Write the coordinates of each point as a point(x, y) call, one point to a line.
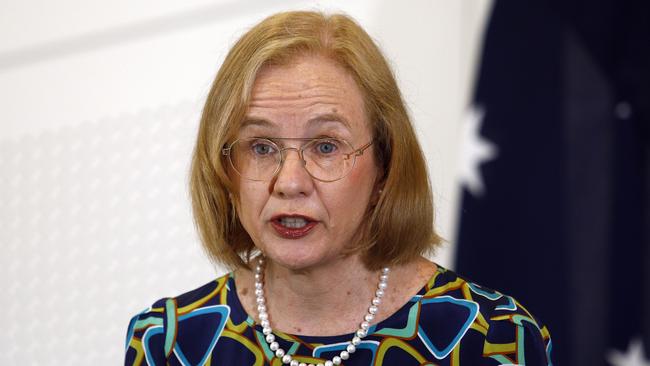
point(354, 195)
point(251, 203)
point(251, 200)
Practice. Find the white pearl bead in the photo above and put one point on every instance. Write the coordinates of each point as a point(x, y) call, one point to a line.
point(343, 355)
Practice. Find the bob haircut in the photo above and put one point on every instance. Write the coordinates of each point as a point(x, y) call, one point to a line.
point(399, 227)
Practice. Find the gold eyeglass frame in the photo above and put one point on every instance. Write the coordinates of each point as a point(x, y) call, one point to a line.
point(300, 150)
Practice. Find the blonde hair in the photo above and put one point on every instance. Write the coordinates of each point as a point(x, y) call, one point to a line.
point(399, 228)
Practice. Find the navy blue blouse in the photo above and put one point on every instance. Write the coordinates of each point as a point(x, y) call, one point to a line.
point(450, 321)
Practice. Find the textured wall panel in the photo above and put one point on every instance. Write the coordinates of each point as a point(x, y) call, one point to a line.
point(95, 224)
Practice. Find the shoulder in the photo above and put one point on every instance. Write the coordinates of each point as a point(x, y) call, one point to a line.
point(152, 333)
point(483, 321)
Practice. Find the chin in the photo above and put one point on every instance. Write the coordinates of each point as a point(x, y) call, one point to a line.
point(296, 260)
point(295, 264)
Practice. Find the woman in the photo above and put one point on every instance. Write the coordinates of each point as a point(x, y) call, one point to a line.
point(308, 181)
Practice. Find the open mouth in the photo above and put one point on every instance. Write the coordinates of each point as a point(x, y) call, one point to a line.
point(293, 222)
point(293, 226)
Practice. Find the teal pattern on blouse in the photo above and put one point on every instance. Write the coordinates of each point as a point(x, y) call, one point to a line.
point(450, 321)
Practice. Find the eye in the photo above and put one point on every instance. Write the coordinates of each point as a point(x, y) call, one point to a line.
point(326, 147)
point(262, 148)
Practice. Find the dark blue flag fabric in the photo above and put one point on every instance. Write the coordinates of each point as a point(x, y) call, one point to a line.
point(555, 207)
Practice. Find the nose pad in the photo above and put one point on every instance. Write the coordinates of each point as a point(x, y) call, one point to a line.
point(285, 158)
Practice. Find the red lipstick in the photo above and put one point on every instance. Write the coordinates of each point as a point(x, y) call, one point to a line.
point(293, 226)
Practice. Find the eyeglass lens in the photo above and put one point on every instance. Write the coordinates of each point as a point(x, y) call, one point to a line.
point(325, 159)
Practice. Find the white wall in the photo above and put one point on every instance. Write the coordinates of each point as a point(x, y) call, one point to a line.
point(99, 103)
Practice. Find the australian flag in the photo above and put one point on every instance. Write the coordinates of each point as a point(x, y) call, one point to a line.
point(555, 206)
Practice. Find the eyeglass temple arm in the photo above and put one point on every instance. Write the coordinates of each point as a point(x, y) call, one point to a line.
point(359, 151)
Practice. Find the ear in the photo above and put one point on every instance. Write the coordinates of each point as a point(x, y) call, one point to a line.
point(380, 182)
point(376, 193)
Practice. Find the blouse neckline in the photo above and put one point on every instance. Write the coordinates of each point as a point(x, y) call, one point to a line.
point(390, 322)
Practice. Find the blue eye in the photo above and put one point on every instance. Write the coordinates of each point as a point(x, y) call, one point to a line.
point(326, 147)
point(261, 148)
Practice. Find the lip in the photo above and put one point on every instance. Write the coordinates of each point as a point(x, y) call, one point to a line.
point(292, 233)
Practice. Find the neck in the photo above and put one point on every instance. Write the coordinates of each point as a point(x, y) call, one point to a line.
point(328, 300)
point(322, 287)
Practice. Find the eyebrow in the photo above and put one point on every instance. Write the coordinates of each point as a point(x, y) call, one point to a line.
point(321, 118)
point(329, 117)
point(256, 122)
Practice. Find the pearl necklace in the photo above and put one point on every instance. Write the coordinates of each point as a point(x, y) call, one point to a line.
point(352, 344)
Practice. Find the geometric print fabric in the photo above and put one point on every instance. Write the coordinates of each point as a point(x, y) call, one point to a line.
point(450, 321)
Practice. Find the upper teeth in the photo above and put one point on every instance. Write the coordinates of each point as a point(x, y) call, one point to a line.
point(293, 222)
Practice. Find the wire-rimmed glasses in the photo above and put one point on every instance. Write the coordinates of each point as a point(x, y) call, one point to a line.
point(260, 159)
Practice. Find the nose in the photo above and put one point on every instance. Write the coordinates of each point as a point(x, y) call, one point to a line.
point(292, 180)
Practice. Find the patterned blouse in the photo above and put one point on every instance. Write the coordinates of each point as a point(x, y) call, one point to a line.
point(450, 321)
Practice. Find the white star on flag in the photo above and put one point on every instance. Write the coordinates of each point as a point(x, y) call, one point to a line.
point(475, 151)
point(633, 357)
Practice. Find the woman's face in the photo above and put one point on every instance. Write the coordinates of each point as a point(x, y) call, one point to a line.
point(297, 221)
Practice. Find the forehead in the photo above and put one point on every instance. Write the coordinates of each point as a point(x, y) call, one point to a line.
point(309, 91)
